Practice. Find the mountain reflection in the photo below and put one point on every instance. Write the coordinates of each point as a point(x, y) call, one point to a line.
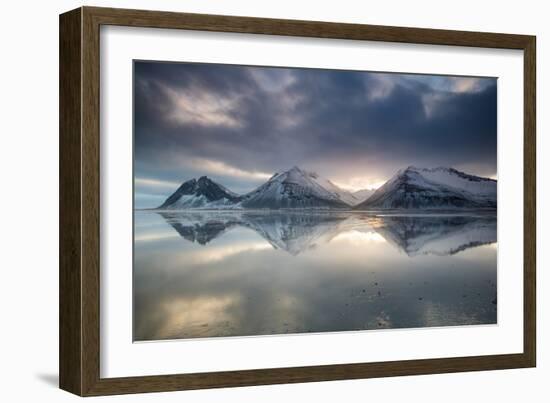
point(438, 235)
point(295, 232)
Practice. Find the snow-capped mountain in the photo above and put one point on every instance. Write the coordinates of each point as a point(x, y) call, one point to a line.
point(344, 195)
point(434, 188)
point(363, 194)
point(410, 188)
point(201, 193)
point(296, 188)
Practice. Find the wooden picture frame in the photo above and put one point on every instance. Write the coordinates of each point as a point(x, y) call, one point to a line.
point(79, 278)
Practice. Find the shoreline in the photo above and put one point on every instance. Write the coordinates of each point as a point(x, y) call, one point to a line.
point(416, 212)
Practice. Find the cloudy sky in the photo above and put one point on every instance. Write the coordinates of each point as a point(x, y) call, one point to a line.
point(240, 124)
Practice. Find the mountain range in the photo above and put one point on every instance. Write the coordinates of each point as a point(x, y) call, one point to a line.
point(410, 188)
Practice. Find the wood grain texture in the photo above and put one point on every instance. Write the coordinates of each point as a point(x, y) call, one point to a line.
point(90, 202)
point(530, 203)
point(161, 383)
point(316, 29)
point(80, 201)
point(70, 271)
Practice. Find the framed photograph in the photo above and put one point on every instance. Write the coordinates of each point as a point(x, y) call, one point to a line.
point(249, 201)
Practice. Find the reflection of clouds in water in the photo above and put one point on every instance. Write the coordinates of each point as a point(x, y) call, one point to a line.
point(356, 237)
point(245, 281)
point(154, 236)
point(192, 315)
point(219, 253)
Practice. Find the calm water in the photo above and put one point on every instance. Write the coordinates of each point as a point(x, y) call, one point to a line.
point(206, 274)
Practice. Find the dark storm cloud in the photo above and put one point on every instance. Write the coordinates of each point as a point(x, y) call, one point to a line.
point(240, 124)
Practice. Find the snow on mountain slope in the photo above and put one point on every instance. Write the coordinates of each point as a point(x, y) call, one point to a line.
point(344, 195)
point(363, 194)
point(434, 188)
point(478, 186)
point(295, 188)
point(413, 188)
point(201, 193)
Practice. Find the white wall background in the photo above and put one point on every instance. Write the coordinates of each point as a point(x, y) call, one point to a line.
point(29, 201)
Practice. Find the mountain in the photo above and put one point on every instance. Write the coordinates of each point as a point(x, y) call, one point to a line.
point(416, 188)
point(296, 188)
point(363, 194)
point(201, 193)
point(347, 197)
point(411, 188)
